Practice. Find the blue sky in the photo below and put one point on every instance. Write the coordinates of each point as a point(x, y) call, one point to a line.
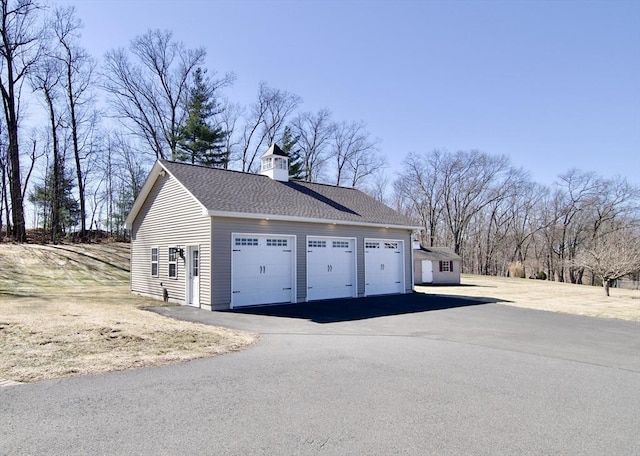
point(551, 84)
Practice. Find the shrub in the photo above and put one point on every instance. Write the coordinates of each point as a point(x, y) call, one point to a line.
point(540, 275)
point(516, 270)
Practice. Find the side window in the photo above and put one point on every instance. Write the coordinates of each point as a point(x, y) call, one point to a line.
point(173, 263)
point(154, 261)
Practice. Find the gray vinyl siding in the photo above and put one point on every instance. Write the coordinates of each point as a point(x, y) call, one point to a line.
point(417, 271)
point(449, 277)
point(222, 229)
point(169, 217)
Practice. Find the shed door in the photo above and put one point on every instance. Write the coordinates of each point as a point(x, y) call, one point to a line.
point(262, 269)
point(331, 264)
point(427, 271)
point(383, 266)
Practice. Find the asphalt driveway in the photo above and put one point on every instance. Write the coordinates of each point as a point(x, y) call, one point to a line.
point(408, 375)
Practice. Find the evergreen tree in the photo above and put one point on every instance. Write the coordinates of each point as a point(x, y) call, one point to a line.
point(198, 141)
point(68, 209)
point(288, 145)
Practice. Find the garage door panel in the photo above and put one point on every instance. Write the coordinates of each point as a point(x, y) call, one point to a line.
point(383, 266)
point(330, 268)
point(262, 271)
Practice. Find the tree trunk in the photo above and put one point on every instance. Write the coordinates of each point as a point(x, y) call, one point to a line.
point(606, 283)
point(15, 187)
point(76, 151)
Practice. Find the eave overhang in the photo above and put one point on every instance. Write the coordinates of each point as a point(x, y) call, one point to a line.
point(291, 218)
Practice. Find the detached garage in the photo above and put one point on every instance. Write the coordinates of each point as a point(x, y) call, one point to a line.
point(220, 239)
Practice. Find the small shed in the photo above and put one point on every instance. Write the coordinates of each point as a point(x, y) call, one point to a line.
point(436, 265)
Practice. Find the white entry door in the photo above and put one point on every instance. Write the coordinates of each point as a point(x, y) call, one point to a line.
point(193, 282)
point(383, 266)
point(427, 271)
point(331, 268)
point(262, 269)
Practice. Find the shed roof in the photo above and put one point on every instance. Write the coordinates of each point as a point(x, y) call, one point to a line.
point(236, 194)
point(435, 254)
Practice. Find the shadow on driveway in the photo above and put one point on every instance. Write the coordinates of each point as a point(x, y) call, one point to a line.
point(337, 310)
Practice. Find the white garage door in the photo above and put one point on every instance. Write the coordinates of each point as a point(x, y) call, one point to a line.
point(331, 268)
point(383, 266)
point(262, 269)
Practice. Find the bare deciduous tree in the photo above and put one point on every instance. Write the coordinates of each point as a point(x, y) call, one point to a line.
point(354, 153)
point(20, 40)
point(612, 255)
point(471, 182)
point(264, 123)
point(379, 185)
point(47, 78)
point(148, 85)
point(79, 69)
point(227, 119)
point(314, 132)
point(420, 183)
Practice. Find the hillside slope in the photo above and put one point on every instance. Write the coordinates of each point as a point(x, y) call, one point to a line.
point(67, 310)
point(29, 267)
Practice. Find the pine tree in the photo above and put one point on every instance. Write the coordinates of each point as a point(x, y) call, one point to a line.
point(198, 141)
point(41, 197)
point(288, 145)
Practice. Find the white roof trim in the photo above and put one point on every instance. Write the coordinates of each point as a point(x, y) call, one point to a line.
point(157, 169)
point(292, 218)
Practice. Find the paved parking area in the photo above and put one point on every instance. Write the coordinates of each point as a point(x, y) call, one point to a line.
point(408, 375)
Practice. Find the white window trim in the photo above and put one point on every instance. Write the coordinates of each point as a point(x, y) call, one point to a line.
point(169, 262)
point(157, 261)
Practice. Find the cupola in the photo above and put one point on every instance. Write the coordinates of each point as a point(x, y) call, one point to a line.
point(275, 164)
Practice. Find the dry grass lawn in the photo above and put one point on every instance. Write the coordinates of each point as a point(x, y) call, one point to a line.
point(545, 295)
point(67, 310)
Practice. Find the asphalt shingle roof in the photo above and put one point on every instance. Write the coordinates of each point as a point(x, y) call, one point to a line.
point(435, 253)
point(233, 191)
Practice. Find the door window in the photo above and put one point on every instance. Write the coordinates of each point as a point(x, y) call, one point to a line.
point(195, 263)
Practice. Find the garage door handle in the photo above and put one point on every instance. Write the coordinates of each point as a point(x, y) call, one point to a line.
point(398, 281)
point(235, 292)
point(287, 288)
point(350, 285)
